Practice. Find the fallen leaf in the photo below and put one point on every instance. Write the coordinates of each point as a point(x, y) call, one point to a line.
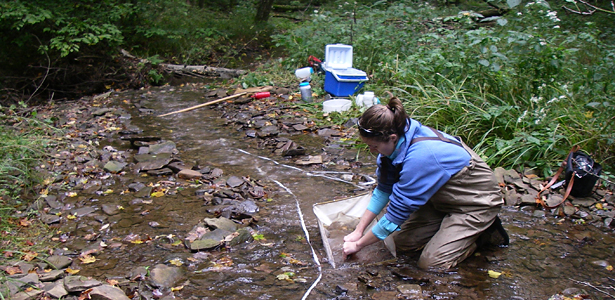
point(178, 288)
point(494, 274)
point(609, 268)
point(157, 194)
point(71, 217)
point(71, 271)
point(25, 222)
point(87, 259)
point(28, 256)
point(13, 270)
point(176, 262)
point(112, 282)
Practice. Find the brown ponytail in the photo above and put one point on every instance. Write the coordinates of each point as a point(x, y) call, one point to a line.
point(380, 121)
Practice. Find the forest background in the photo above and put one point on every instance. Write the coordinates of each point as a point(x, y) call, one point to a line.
point(521, 81)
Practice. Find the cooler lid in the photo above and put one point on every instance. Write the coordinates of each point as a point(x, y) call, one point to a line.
point(338, 56)
point(349, 75)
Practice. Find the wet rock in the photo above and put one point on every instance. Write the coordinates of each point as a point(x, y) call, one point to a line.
point(204, 244)
point(569, 210)
point(27, 295)
point(59, 261)
point(164, 276)
point(55, 289)
point(52, 202)
point(243, 236)
point(300, 127)
point(222, 223)
point(268, 131)
point(136, 186)
point(51, 275)
point(160, 172)
point(107, 292)
point(189, 174)
point(411, 291)
point(79, 283)
point(177, 166)
point(234, 181)
point(152, 161)
point(539, 214)
point(528, 200)
point(83, 211)
point(144, 193)
point(384, 295)
point(309, 160)
point(50, 219)
point(512, 198)
point(114, 166)
point(164, 147)
point(110, 209)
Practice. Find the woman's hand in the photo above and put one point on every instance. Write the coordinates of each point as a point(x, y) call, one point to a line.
point(350, 248)
point(353, 236)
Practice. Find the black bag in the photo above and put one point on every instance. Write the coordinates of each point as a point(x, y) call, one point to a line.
point(586, 173)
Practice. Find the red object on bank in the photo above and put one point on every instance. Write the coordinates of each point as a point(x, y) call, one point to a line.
point(261, 95)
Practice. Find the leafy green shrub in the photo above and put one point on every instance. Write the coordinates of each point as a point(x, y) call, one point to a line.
point(522, 87)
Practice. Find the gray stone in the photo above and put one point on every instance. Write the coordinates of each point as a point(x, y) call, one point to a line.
point(234, 181)
point(79, 283)
point(512, 198)
point(160, 172)
point(55, 289)
point(144, 193)
point(411, 291)
point(164, 147)
point(164, 276)
point(59, 261)
point(204, 244)
point(244, 236)
point(114, 166)
point(107, 292)
point(83, 211)
point(528, 200)
point(222, 223)
point(189, 174)
point(30, 295)
point(51, 275)
point(50, 219)
point(539, 214)
point(110, 209)
point(569, 210)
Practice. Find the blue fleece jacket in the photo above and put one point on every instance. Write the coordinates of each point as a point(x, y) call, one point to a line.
point(413, 174)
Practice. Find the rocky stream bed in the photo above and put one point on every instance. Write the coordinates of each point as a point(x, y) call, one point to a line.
point(136, 215)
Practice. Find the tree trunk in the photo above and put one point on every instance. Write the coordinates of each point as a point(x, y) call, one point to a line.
point(263, 10)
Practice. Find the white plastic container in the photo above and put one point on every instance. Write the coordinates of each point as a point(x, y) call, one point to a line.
point(366, 100)
point(338, 105)
point(306, 91)
point(304, 73)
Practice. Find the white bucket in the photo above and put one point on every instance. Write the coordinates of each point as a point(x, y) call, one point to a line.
point(338, 105)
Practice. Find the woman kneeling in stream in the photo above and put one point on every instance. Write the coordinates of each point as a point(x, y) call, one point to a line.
point(442, 197)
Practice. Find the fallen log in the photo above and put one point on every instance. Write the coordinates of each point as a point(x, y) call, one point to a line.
point(203, 70)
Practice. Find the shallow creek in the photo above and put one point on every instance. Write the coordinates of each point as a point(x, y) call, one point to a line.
point(546, 255)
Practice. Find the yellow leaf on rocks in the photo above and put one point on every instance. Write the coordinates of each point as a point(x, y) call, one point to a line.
point(71, 194)
point(71, 217)
point(107, 192)
point(157, 194)
point(28, 256)
point(87, 259)
point(494, 274)
point(177, 288)
point(609, 268)
point(137, 242)
point(176, 262)
point(71, 271)
point(599, 206)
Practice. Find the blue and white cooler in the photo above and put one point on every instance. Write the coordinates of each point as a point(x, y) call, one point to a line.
point(341, 80)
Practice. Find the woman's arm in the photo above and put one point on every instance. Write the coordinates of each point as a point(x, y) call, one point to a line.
point(367, 218)
point(354, 247)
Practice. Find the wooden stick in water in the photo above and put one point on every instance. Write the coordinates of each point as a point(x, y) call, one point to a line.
point(204, 104)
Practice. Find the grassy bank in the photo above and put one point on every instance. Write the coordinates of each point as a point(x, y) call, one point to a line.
point(521, 87)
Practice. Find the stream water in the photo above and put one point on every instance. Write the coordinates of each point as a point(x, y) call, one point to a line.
point(546, 255)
